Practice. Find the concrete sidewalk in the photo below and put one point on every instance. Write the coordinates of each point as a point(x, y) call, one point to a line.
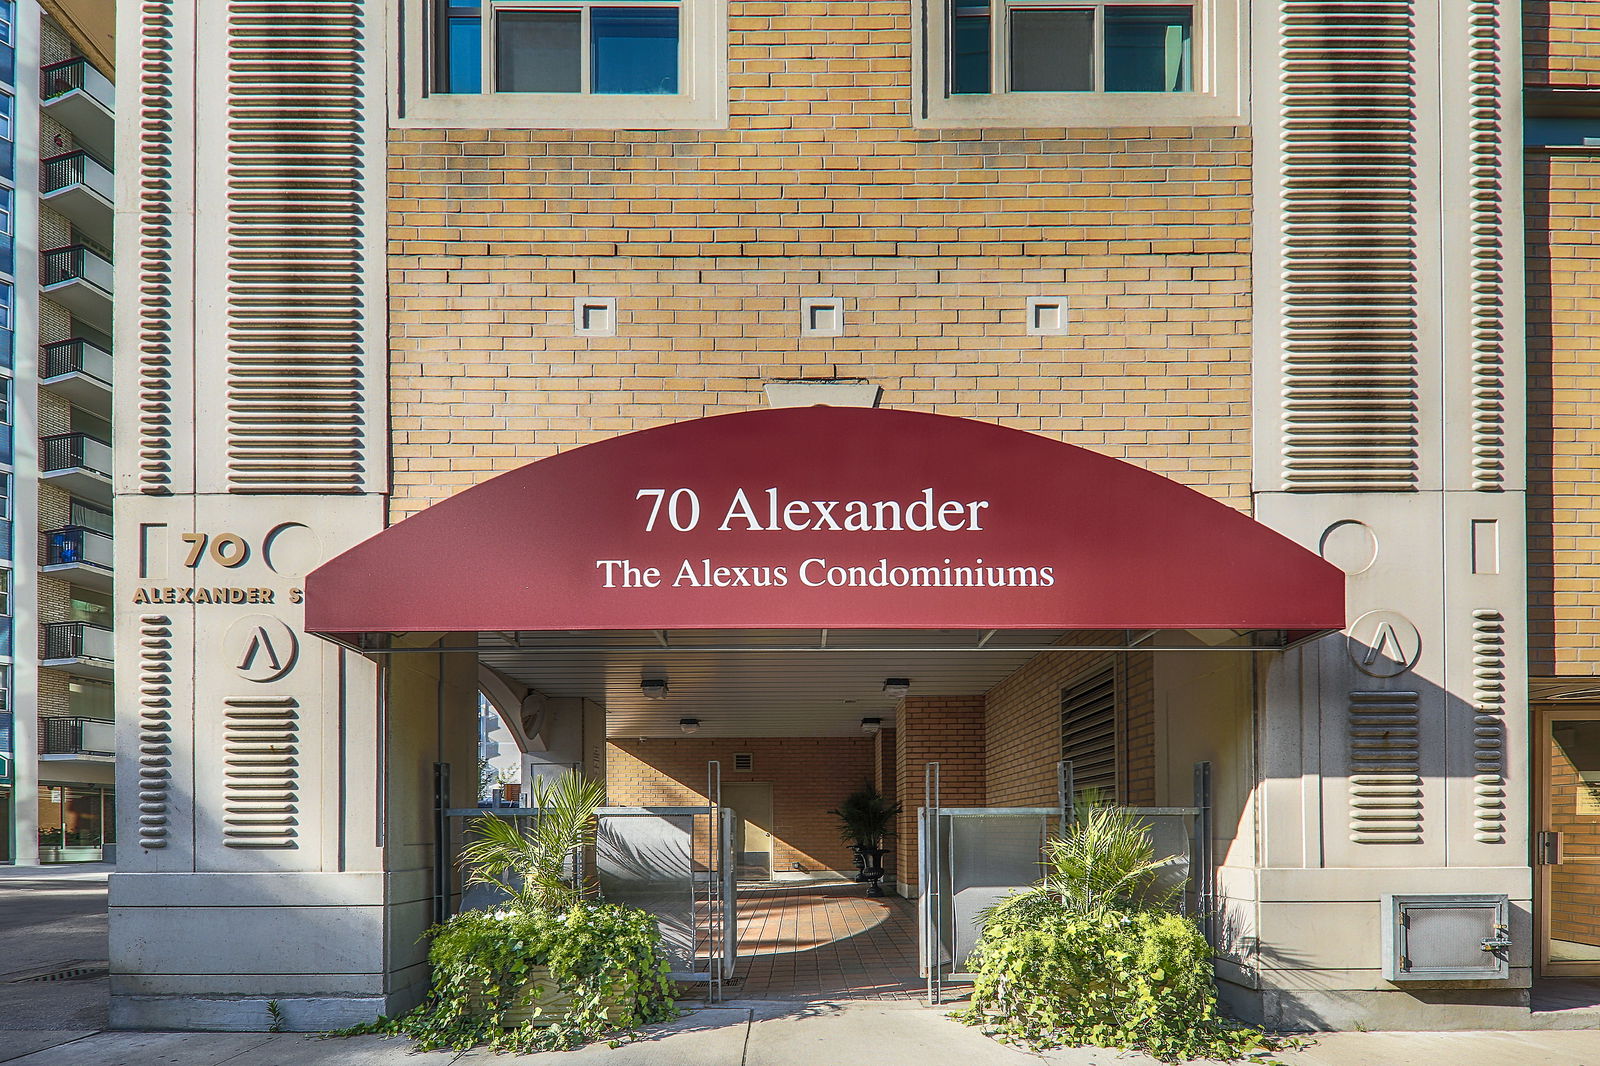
point(772, 1034)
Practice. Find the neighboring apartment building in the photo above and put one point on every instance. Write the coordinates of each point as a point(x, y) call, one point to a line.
point(1272, 252)
point(57, 788)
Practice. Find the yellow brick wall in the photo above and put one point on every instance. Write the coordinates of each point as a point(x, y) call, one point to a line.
point(1563, 196)
point(709, 239)
point(1561, 43)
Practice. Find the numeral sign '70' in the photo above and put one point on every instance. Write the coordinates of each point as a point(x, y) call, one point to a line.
point(227, 549)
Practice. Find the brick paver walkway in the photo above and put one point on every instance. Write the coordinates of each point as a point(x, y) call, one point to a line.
point(827, 941)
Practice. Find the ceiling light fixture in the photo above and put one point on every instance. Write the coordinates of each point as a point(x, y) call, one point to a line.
point(689, 725)
point(654, 688)
point(870, 726)
point(896, 687)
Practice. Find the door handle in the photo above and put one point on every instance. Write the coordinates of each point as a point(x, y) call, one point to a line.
point(1549, 848)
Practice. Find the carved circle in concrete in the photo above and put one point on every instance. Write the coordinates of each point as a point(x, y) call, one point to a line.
point(1383, 643)
point(1351, 546)
point(291, 549)
point(260, 647)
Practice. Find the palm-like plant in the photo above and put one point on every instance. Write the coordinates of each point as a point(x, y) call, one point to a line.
point(865, 817)
point(1105, 861)
point(536, 856)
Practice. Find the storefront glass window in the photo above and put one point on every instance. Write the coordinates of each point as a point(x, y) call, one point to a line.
point(81, 818)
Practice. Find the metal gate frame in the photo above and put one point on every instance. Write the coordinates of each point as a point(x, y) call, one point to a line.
point(713, 901)
point(933, 864)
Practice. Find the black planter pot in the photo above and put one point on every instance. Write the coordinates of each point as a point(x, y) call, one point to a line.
point(861, 863)
point(872, 869)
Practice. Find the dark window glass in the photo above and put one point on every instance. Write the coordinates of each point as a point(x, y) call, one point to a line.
point(1052, 51)
point(464, 62)
point(537, 52)
point(635, 49)
point(109, 816)
point(1149, 49)
point(8, 65)
point(81, 817)
point(969, 48)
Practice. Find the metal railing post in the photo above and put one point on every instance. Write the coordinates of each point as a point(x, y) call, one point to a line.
point(1205, 885)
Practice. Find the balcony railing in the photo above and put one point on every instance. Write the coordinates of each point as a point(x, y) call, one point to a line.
point(77, 356)
point(58, 79)
point(79, 640)
point(75, 262)
point(69, 451)
point(77, 168)
point(77, 736)
point(75, 545)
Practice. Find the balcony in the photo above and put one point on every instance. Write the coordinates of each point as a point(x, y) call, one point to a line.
point(81, 99)
point(80, 370)
point(81, 556)
point(82, 649)
point(80, 187)
point(79, 279)
point(77, 737)
point(77, 462)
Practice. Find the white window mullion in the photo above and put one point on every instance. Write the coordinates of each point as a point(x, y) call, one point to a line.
point(488, 14)
point(586, 50)
point(1097, 48)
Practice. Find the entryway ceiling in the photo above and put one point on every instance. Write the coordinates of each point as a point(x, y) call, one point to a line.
point(758, 683)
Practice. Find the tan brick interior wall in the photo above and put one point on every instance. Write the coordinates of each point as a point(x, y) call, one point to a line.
point(948, 730)
point(1024, 726)
point(1561, 43)
point(820, 187)
point(1563, 251)
point(809, 775)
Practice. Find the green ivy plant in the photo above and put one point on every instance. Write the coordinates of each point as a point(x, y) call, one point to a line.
point(604, 960)
point(606, 957)
point(1093, 956)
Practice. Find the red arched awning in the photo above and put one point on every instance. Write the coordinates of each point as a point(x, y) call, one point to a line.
point(826, 518)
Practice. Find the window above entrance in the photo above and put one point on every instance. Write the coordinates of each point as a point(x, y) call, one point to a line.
point(567, 64)
point(1079, 63)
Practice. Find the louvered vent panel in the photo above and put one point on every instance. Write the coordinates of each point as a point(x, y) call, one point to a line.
point(1488, 262)
point(1089, 732)
point(155, 727)
point(1488, 726)
point(260, 755)
point(1385, 768)
point(295, 313)
point(155, 255)
point(1349, 163)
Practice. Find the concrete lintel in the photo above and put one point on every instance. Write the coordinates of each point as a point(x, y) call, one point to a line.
point(831, 393)
point(1358, 886)
point(277, 889)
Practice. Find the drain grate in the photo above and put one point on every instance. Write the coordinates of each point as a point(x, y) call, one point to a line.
point(71, 973)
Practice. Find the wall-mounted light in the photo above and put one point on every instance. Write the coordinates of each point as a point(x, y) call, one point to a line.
point(870, 726)
point(654, 688)
point(689, 725)
point(896, 687)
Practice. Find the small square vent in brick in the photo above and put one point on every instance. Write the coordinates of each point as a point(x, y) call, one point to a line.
point(743, 760)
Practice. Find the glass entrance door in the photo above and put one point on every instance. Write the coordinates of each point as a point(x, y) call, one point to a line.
point(1567, 846)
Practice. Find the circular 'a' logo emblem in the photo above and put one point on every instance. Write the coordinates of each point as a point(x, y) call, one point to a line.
point(260, 647)
point(1383, 643)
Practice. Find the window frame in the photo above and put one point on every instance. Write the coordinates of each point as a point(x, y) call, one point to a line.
point(700, 103)
point(489, 51)
point(1217, 76)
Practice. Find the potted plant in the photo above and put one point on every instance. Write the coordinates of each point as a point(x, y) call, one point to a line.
point(866, 820)
point(550, 968)
point(1094, 954)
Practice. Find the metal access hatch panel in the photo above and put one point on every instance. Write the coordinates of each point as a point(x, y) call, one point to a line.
point(1446, 937)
